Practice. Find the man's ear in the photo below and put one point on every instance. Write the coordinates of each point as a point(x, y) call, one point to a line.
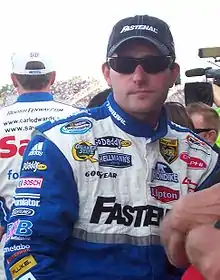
point(212, 135)
point(14, 80)
point(53, 77)
point(175, 70)
point(106, 73)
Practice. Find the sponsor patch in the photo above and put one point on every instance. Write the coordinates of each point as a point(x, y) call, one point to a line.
point(16, 248)
point(112, 142)
point(100, 174)
point(26, 202)
point(30, 165)
point(79, 126)
point(193, 162)
point(16, 254)
point(83, 151)
point(37, 150)
point(191, 185)
point(116, 160)
point(28, 276)
point(22, 212)
point(22, 266)
point(197, 144)
point(162, 172)
point(30, 183)
point(169, 149)
point(41, 167)
point(164, 194)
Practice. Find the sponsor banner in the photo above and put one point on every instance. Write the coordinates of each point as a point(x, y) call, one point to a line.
point(16, 248)
point(26, 202)
point(37, 150)
point(117, 160)
point(162, 172)
point(30, 183)
point(112, 142)
point(164, 194)
point(193, 162)
point(21, 211)
point(22, 266)
point(101, 175)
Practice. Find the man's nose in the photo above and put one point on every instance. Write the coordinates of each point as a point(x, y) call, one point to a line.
point(139, 75)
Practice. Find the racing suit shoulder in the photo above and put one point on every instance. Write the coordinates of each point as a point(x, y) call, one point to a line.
point(198, 152)
point(38, 230)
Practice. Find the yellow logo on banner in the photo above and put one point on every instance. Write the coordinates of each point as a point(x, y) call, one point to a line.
point(22, 266)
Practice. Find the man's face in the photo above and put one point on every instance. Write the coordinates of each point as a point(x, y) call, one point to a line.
point(210, 135)
point(139, 91)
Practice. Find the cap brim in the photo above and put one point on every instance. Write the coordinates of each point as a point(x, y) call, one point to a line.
point(161, 47)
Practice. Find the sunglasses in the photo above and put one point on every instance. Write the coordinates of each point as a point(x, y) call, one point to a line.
point(151, 64)
point(199, 130)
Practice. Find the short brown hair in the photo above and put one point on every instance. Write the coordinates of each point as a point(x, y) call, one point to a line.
point(34, 82)
point(210, 116)
point(176, 113)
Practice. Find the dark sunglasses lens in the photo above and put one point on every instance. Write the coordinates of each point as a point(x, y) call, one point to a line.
point(150, 64)
point(155, 64)
point(123, 65)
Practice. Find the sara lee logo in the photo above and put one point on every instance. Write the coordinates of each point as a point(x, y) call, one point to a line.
point(164, 194)
point(193, 162)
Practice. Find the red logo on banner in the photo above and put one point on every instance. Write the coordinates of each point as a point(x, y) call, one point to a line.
point(193, 162)
point(164, 194)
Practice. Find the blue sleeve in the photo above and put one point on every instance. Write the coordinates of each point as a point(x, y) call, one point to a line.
point(45, 207)
point(213, 178)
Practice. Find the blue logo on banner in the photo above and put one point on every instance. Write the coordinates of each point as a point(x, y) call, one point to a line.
point(116, 160)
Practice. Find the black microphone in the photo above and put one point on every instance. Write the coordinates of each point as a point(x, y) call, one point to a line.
point(208, 72)
point(195, 72)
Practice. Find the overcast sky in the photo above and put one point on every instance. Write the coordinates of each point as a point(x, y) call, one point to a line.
point(76, 32)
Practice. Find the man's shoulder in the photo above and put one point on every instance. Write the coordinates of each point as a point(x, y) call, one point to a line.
point(78, 122)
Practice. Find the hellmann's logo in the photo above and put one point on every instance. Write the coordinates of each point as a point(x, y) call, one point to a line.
point(139, 27)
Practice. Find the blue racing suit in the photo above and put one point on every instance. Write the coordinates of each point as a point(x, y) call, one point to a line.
point(92, 207)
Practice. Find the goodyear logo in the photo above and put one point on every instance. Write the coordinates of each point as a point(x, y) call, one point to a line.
point(83, 151)
point(22, 266)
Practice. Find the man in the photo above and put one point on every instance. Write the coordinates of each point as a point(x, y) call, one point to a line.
point(205, 120)
point(110, 174)
point(32, 75)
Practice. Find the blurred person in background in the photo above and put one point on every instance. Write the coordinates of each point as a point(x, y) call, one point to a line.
point(32, 75)
point(99, 99)
point(206, 122)
point(176, 113)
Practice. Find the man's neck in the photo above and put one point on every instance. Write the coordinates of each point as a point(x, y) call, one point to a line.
point(21, 92)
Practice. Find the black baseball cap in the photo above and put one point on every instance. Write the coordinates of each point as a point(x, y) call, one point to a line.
point(152, 29)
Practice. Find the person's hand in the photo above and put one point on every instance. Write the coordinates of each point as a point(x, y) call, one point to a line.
point(216, 94)
point(196, 209)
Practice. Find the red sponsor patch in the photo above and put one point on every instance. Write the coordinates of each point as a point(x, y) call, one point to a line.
point(193, 162)
point(191, 185)
point(164, 194)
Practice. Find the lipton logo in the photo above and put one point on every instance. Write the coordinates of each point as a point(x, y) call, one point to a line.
point(164, 194)
point(193, 162)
